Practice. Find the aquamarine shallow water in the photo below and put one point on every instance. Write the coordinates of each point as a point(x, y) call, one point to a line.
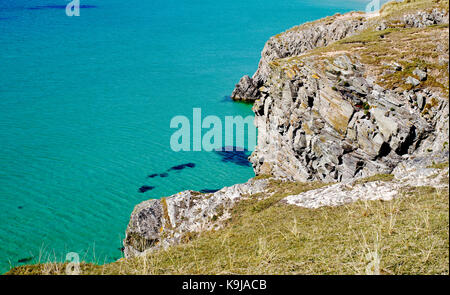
point(86, 102)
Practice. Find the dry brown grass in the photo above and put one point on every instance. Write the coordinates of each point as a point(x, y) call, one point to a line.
point(394, 9)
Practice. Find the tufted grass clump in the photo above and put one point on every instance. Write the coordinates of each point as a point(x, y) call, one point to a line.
point(376, 177)
point(439, 165)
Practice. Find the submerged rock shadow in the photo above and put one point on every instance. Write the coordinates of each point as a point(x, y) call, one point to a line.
point(235, 155)
point(182, 166)
point(24, 260)
point(146, 188)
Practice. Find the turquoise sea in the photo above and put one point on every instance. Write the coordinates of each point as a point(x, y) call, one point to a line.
point(86, 104)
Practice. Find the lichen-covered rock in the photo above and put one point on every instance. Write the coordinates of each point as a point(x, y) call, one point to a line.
point(422, 19)
point(157, 224)
point(421, 74)
point(413, 81)
point(144, 228)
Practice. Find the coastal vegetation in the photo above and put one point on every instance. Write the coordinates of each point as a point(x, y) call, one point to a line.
point(410, 236)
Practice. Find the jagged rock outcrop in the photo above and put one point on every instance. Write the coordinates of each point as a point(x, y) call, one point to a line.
point(246, 90)
point(296, 41)
point(157, 224)
point(301, 39)
point(338, 113)
point(333, 122)
point(419, 19)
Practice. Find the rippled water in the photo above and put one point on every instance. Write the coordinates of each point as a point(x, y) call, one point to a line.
point(86, 102)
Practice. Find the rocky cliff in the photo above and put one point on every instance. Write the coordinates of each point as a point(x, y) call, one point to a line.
point(295, 42)
point(335, 100)
point(323, 32)
point(358, 107)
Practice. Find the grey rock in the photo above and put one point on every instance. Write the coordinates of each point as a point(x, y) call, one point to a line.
point(396, 66)
point(158, 224)
point(351, 191)
point(421, 74)
point(246, 90)
point(422, 19)
point(421, 100)
point(313, 132)
point(143, 230)
point(299, 40)
point(413, 81)
point(383, 26)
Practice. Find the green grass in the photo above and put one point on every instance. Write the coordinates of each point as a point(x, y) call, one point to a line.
point(377, 177)
point(410, 235)
point(262, 176)
point(439, 165)
point(394, 9)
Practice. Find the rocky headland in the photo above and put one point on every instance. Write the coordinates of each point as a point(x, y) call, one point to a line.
point(336, 100)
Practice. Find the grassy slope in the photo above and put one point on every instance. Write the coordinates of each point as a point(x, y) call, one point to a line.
point(410, 235)
point(394, 8)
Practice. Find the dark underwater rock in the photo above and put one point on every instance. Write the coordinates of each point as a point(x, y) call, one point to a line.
point(26, 259)
point(182, 166)
point(146, 188)
point(235, 155)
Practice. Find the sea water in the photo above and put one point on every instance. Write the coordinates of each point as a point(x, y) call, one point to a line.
point(86, 104)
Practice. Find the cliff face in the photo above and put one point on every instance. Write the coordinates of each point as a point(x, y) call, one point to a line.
point(295, 42)
point(323, 32)
point(358, 107)
point(335, 100)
